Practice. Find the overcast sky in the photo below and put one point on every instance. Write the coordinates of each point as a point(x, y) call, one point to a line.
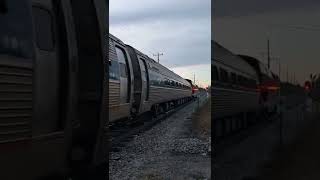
point(292, 25)
point(180, 29)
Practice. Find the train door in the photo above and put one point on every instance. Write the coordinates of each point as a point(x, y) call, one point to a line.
point(46, 69)
point(89, 140)
point(124, 75)
point(52, 85)
point(120, 81)
point(145, 83)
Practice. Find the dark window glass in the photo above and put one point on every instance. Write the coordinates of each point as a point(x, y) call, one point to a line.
point(215, 73)
point(224, 75)
point(123, 70)
point(43, 24)
point(16, 36)
point(240, 80)
point(114, 70)
point(245, 81)
point(233, 78)
point(122, 59)
point(121, 55)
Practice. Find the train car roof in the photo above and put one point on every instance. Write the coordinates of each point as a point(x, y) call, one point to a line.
point(261, 68)
point(252, 61)
point(114, 38)
point(154, 65)
point(227, 58)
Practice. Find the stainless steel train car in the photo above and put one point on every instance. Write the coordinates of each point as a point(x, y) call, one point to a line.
point(234, 84)
point(138, 84)
point(51, 87)
point(234, 90)
point(268, 85)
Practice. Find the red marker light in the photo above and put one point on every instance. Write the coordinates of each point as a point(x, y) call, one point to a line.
point(307, 85)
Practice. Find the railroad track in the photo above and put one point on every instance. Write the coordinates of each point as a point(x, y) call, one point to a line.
point(123, 132)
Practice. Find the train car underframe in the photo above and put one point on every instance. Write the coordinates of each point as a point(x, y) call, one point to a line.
point(230, 125)
point(164, 107)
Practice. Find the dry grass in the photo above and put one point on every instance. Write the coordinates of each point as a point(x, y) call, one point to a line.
point(201, 119)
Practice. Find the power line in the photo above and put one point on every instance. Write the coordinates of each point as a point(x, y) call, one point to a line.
point(294, 27)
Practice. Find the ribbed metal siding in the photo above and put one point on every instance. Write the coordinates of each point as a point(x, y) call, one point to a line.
point(159, 94)
point(114, 93)
point(15, 103)
point(114, 87)
point(112, 51)
point(228, 102)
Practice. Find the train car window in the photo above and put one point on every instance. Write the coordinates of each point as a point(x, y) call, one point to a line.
point(153, 78)
point(224, 75)
point(114, 70)
point(233, 78)
point(250, 83)
point(215, 73)
point(123, 70)
point(240, 82)
point(43, 24)
point(166, 82)
point(243, 81)
point(121, 55)
point(146, 77)
point(16, 32)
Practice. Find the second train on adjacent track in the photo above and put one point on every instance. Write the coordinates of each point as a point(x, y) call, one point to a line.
point(243, 91)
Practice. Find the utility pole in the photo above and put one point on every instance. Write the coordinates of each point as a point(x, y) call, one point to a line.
point(287, 73)
point(268, 46)
point(280, 108)
point(194, 78)
point(158, 56)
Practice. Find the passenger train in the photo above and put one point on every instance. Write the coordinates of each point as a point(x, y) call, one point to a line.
point(138, 84)
point(240, 90)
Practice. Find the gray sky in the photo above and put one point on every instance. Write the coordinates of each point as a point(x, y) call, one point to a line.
point(181, 29)
point(292, 25)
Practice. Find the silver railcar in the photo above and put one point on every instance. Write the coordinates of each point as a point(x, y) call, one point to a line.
point(234, 84)
point(234, 89)
point(138, 84)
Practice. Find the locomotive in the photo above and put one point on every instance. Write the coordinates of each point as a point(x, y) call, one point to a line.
point(241, 90)
point(138, 84)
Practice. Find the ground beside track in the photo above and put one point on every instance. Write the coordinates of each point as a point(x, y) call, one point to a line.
point(169, 150)
point(246, 159)
point(300, 159)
